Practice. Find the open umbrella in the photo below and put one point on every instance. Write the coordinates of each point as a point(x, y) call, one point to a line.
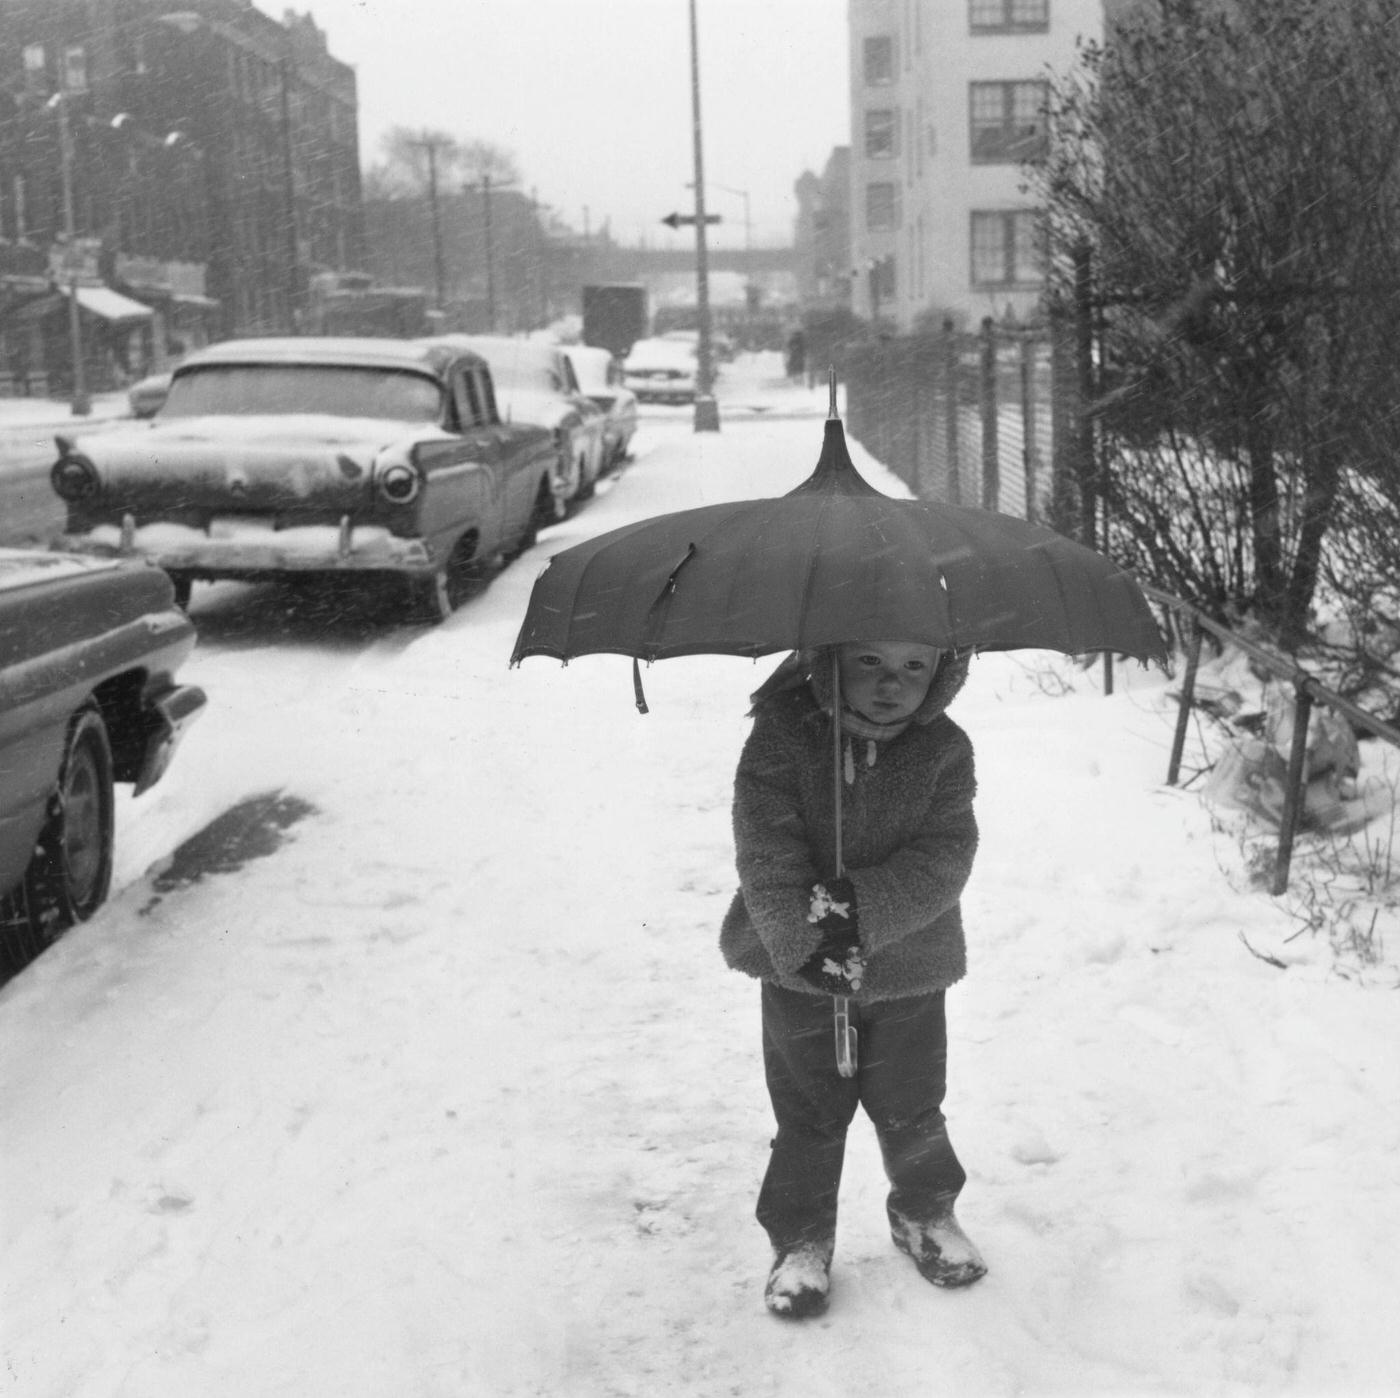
point(833, 560)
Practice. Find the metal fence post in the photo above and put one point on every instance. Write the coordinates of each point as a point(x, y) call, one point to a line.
point(987, 398)
point(1183, 712)
point(1029, 451)
point(950, 394)
point(1293, 793)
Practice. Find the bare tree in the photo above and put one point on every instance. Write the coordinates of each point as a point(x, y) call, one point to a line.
point(411, 158)
point(1228, 167)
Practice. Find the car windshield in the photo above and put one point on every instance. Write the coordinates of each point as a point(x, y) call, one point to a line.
point(338, 389)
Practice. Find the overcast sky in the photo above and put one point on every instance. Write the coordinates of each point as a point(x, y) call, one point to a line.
point(593, 97)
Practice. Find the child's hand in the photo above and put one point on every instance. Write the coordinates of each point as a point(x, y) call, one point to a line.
point(836, 967)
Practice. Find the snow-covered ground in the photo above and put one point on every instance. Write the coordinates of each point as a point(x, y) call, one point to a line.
point(450, 1094)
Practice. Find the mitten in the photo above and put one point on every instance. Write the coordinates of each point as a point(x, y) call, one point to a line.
point(836, 966)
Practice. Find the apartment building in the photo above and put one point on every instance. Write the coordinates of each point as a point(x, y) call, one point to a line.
point(946, 106)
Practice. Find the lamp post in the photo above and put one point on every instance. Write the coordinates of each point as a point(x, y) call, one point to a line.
point(706, 409)
point(82, 405)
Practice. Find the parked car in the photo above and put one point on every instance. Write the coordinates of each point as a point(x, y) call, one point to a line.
point(721, 346)
point(145, 396)
point(600, 377)
point(88, 655)
point(535, 383)
point(326, 455)
point(661, 371)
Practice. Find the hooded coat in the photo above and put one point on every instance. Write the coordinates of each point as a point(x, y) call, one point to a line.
point(908, 835)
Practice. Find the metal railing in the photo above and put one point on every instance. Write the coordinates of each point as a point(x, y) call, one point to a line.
point(1307, 690)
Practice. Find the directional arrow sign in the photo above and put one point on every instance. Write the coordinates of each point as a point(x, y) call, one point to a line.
point(687, 220)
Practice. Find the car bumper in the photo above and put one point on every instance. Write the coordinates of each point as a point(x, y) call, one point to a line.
point(234, 548)
point(172, 713)
point(664, 393)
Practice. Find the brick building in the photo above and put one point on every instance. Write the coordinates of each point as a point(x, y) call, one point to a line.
point(212, 170)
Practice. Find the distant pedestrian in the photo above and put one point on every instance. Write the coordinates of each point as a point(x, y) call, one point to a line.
point(887, 933)
point(796, 355)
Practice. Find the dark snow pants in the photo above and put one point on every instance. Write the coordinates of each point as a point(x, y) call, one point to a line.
point(900, 1081)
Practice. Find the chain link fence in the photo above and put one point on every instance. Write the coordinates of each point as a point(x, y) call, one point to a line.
point(967, 418)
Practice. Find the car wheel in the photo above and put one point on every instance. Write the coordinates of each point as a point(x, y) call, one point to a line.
point(432, 599)
point(184, 586)
point(71, 870)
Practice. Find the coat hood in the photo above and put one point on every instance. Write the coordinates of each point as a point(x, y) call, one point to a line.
point(813, 668)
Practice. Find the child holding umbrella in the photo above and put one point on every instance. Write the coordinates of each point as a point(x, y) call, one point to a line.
point(849, 887)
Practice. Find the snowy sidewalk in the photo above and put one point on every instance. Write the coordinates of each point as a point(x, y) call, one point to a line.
point(452, 1095)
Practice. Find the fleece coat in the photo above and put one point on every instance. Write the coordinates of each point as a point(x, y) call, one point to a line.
point(908, 831)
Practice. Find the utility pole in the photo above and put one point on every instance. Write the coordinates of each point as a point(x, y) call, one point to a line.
point(431, 143)
point(487, 185)
point(289, 194)
point(706, 409)
point(490, 252)
point(81, 403)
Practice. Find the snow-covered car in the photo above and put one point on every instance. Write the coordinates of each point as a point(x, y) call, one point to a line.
point(88, 655)
point(535, 383)
point(661, 371)
point(600, 377)
point(329, 455)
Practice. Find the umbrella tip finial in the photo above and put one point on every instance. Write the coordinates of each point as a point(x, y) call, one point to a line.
point(831, 389)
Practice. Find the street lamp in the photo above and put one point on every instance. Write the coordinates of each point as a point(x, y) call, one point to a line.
point(748, 226)
point(82, 405)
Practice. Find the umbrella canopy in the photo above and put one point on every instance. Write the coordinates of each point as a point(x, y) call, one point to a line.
point(833, 560)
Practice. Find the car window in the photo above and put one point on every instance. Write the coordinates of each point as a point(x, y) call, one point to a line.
point(487, 393)
point(464, 389)
point(340, 390)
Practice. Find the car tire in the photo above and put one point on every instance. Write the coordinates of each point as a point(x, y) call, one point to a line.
point(71, 872)
point(434, 597)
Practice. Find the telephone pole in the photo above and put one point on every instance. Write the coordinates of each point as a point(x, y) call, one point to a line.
point(431, 143)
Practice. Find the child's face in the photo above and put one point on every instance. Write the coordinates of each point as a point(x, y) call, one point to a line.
point(886, 681)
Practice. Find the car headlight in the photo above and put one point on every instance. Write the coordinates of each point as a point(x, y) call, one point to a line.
point(399, 483)
point(75, 478)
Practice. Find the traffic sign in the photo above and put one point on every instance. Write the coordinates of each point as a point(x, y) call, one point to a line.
point(687, 220)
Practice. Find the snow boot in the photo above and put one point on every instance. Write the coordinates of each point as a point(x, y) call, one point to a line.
point(799, 1281)
point(942, 1252)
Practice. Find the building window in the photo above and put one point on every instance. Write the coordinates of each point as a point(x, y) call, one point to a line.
point(34, 69)
point(882, 133)
point(879, 60)
point(1007, 122)
point(882, 205)
point(75, 69)
point(1008, 16)
point(1006, 248)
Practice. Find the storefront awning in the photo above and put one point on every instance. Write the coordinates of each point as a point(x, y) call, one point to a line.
point(110, 305)
point(188, 301)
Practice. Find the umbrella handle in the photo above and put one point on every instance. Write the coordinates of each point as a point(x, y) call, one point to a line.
point(847, 1057)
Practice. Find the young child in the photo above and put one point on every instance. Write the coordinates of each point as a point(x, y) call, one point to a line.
point(887, 933)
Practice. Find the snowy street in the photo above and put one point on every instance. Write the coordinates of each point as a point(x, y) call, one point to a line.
point(429, 1081)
